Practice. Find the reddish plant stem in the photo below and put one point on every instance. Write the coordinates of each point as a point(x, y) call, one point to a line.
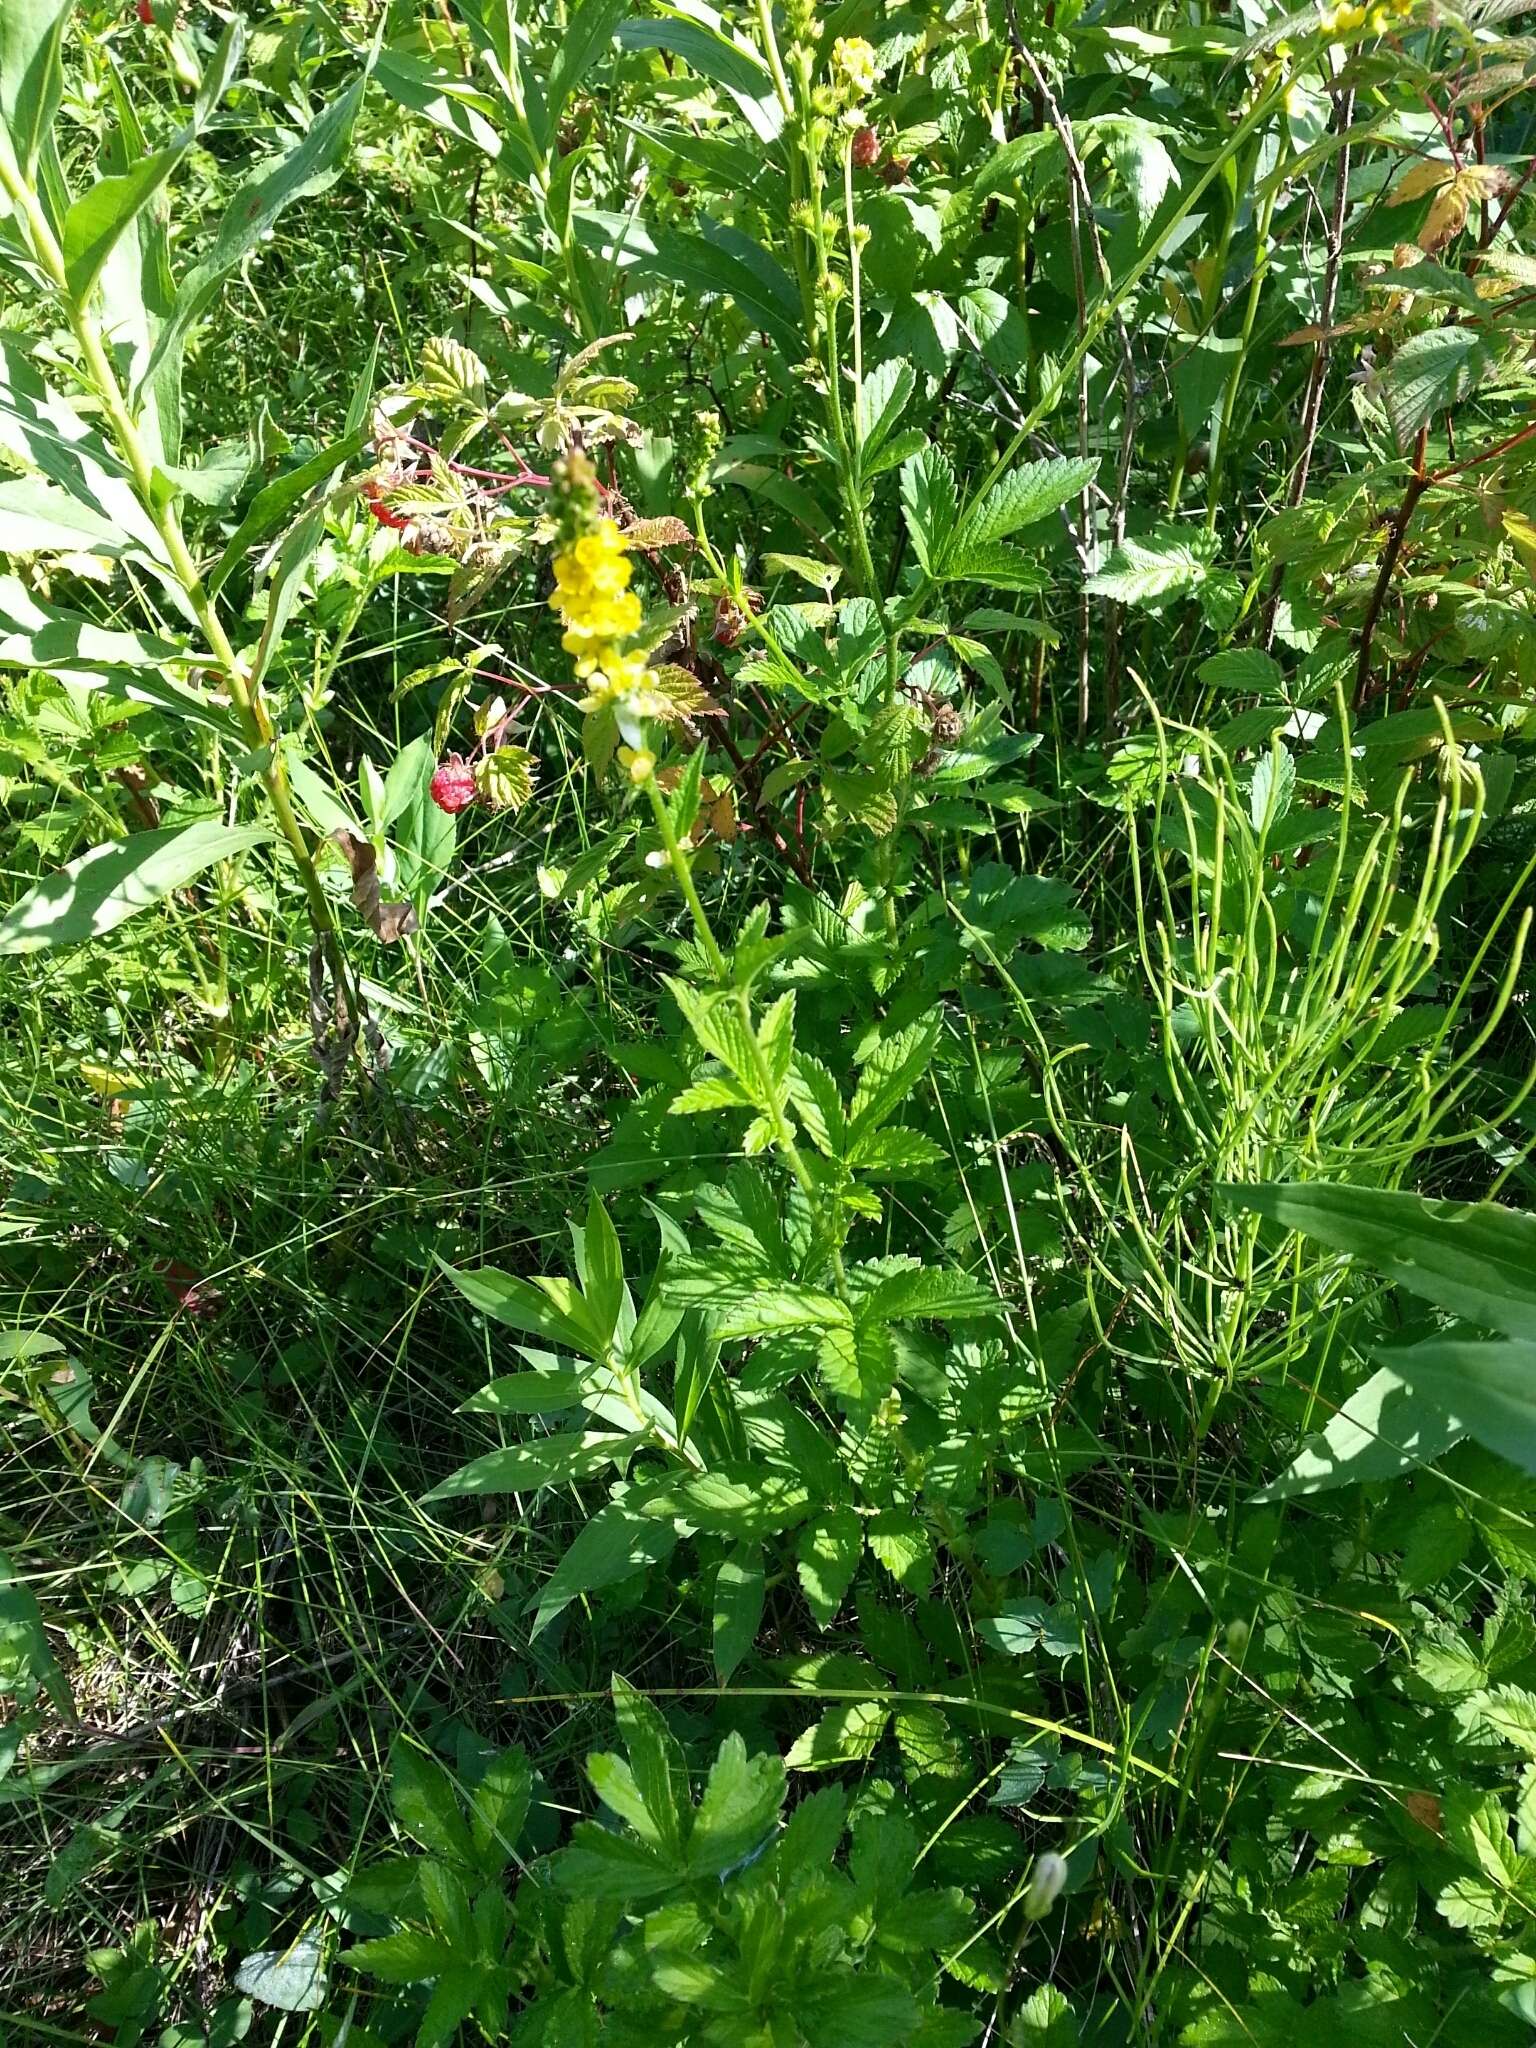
point(495, 476)
point(768, 738)
point(1491, 226)
point(493, 675)
point(1441, 476)
point(713, 676)
point(1418, 484)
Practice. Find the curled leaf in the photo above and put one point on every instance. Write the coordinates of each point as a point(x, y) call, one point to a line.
point(658, 533)
point(387, 921)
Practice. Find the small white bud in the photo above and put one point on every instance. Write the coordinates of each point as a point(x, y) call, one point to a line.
point(1045, 1885)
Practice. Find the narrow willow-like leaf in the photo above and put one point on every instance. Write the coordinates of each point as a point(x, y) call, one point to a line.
point(111, 883)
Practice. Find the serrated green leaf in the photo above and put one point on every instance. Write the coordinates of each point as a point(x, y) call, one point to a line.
point(426, 1804)
point(934, 1291)
point(814, 1095)
point(1150, 573)
point(1242, 668)
point(738, 1610)
point(890, 1074)
point(743, 1797)
point(1428, 372)
point(845, 1734)
point(658, 1765)
point(734, 1501)
point(826, 1557)
point(1027, 494)
point(930, 506)
point(902, 1545)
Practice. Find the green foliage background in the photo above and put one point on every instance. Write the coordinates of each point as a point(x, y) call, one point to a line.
point(848, 1356)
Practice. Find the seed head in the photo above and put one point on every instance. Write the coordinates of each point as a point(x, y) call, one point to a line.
point(730, 622)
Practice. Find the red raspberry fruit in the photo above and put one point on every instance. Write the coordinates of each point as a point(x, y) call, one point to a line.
point(866, 148)
point(453, 785)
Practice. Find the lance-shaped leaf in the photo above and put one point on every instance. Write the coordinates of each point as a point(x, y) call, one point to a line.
point(101, 216)
point(1474, 1259)
point(1386, 1427)
point(45, 434)
point(307, 168)
point(31, 73)
point(112, 883)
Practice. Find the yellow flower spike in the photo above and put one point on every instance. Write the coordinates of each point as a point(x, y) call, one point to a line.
point(854, 66)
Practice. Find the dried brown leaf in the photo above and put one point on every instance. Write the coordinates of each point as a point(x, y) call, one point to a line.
point(1445, 220)
point(387, 921)
point(658, 533)
point(1421, 179)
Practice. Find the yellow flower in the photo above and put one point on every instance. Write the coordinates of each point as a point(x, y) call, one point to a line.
point(593, 597)
point(854, 64)
point(593, 623)
point(613, 675)
point(600, 613)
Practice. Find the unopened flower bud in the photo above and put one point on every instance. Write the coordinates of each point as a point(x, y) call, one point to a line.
point(1045, 1885)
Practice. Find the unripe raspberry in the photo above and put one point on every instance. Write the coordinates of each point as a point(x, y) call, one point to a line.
point(730, 622)
point(865, 148)
point(453, 785)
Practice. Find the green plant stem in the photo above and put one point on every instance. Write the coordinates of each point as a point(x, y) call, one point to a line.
point(683, 873)
point(817, 289)
point(245, 692)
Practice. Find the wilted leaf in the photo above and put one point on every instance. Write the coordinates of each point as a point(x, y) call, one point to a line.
point(387, 921)
point(290, 1979)
point(658, 533)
